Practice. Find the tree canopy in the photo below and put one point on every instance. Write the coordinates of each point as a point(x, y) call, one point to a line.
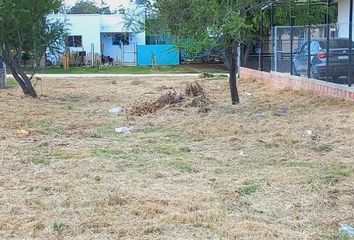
point(89, 7)
point(25, 30)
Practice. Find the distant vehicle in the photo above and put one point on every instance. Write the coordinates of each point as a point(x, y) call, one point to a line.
point(338, 58)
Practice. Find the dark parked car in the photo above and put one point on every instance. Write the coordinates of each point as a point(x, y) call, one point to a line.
point(338, 58)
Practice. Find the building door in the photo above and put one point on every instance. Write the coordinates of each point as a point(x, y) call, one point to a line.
point(129, 53)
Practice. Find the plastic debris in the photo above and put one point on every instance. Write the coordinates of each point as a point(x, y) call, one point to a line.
point(116, 110)
point(248, 94)
point(124, 130)
point(309, 133)
point(282, 112)
point(347, 229)
point(241, 153)
point(260, 114)
point(21, 133)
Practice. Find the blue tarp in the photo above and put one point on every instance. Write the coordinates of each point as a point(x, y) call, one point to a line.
point(160, 54)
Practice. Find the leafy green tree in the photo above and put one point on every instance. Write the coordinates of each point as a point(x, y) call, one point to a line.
point(89, 7)
point(203, 25)
point(25, 31)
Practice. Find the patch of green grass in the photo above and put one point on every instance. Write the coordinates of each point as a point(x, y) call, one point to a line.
point(336, 173)
point(47, 128)
point(11, 82)
point(61, 155)
point(321, 147)
point(37, 226)
point(108, 153)
point(69, 107)
point(249, 188)
point(39, 160)
point(164, 134)
point(134, 70)
point(341, 236)
point(58, 227)
point(300, 165)
point(206, 75)
point(166, 149)
point(181, 165)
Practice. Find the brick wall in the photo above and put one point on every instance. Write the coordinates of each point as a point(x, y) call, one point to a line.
point(282, 80)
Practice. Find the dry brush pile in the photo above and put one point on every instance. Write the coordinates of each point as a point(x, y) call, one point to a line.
point(194, 96)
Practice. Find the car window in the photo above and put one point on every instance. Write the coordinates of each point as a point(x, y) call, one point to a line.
point(335, 43)
point(315, 47)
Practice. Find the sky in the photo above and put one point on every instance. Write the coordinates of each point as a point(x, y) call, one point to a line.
point(112, 3)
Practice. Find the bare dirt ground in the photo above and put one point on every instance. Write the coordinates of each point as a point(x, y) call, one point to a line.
point(187, 172)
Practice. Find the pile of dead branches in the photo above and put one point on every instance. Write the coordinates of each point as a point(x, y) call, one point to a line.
point(194, 96)
point(143, 107)
point(194, 89)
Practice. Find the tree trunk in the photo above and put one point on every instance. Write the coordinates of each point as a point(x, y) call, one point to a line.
point(20, 77)
point(2, 74)
point(247, 53)
point(232, 78)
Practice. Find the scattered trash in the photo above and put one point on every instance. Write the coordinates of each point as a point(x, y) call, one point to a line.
point(309, 133)
point(116, 110)
point(241, 153)
point(347, 229)
point(282, 112)
point(124, 130)
point(248, 94)
point(312, 135)
point(21, 133)
point(260, 114)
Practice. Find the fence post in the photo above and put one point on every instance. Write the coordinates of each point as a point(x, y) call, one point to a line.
point(350, 43)
point(291, 41)
point(327, 44)
point(272, 35)
point(309, 41)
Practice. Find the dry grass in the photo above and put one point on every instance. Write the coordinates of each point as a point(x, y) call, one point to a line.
point(226, 173)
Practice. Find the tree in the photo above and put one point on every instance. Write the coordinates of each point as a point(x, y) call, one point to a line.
point(90, 7)
point(25, 30)
point(201, 25)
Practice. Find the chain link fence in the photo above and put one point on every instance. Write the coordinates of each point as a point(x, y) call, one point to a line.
point(321, 52)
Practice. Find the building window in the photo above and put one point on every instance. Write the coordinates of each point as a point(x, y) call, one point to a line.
point(120, 38)
point(74, 41)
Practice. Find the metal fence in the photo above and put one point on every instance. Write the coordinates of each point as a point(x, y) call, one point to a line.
point(321, 52)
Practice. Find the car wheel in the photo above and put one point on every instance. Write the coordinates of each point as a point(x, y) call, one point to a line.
point(313, 73)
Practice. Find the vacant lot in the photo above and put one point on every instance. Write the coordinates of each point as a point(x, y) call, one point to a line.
point(188, 171)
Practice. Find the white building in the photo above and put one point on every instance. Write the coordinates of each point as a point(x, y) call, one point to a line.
point(101, 37)
point(343, 18)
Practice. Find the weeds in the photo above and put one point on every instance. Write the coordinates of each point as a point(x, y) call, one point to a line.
point(249, 188)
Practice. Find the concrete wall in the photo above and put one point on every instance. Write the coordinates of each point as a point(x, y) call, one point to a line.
point(164, 54)
point(85, 25)
point(286, 81)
